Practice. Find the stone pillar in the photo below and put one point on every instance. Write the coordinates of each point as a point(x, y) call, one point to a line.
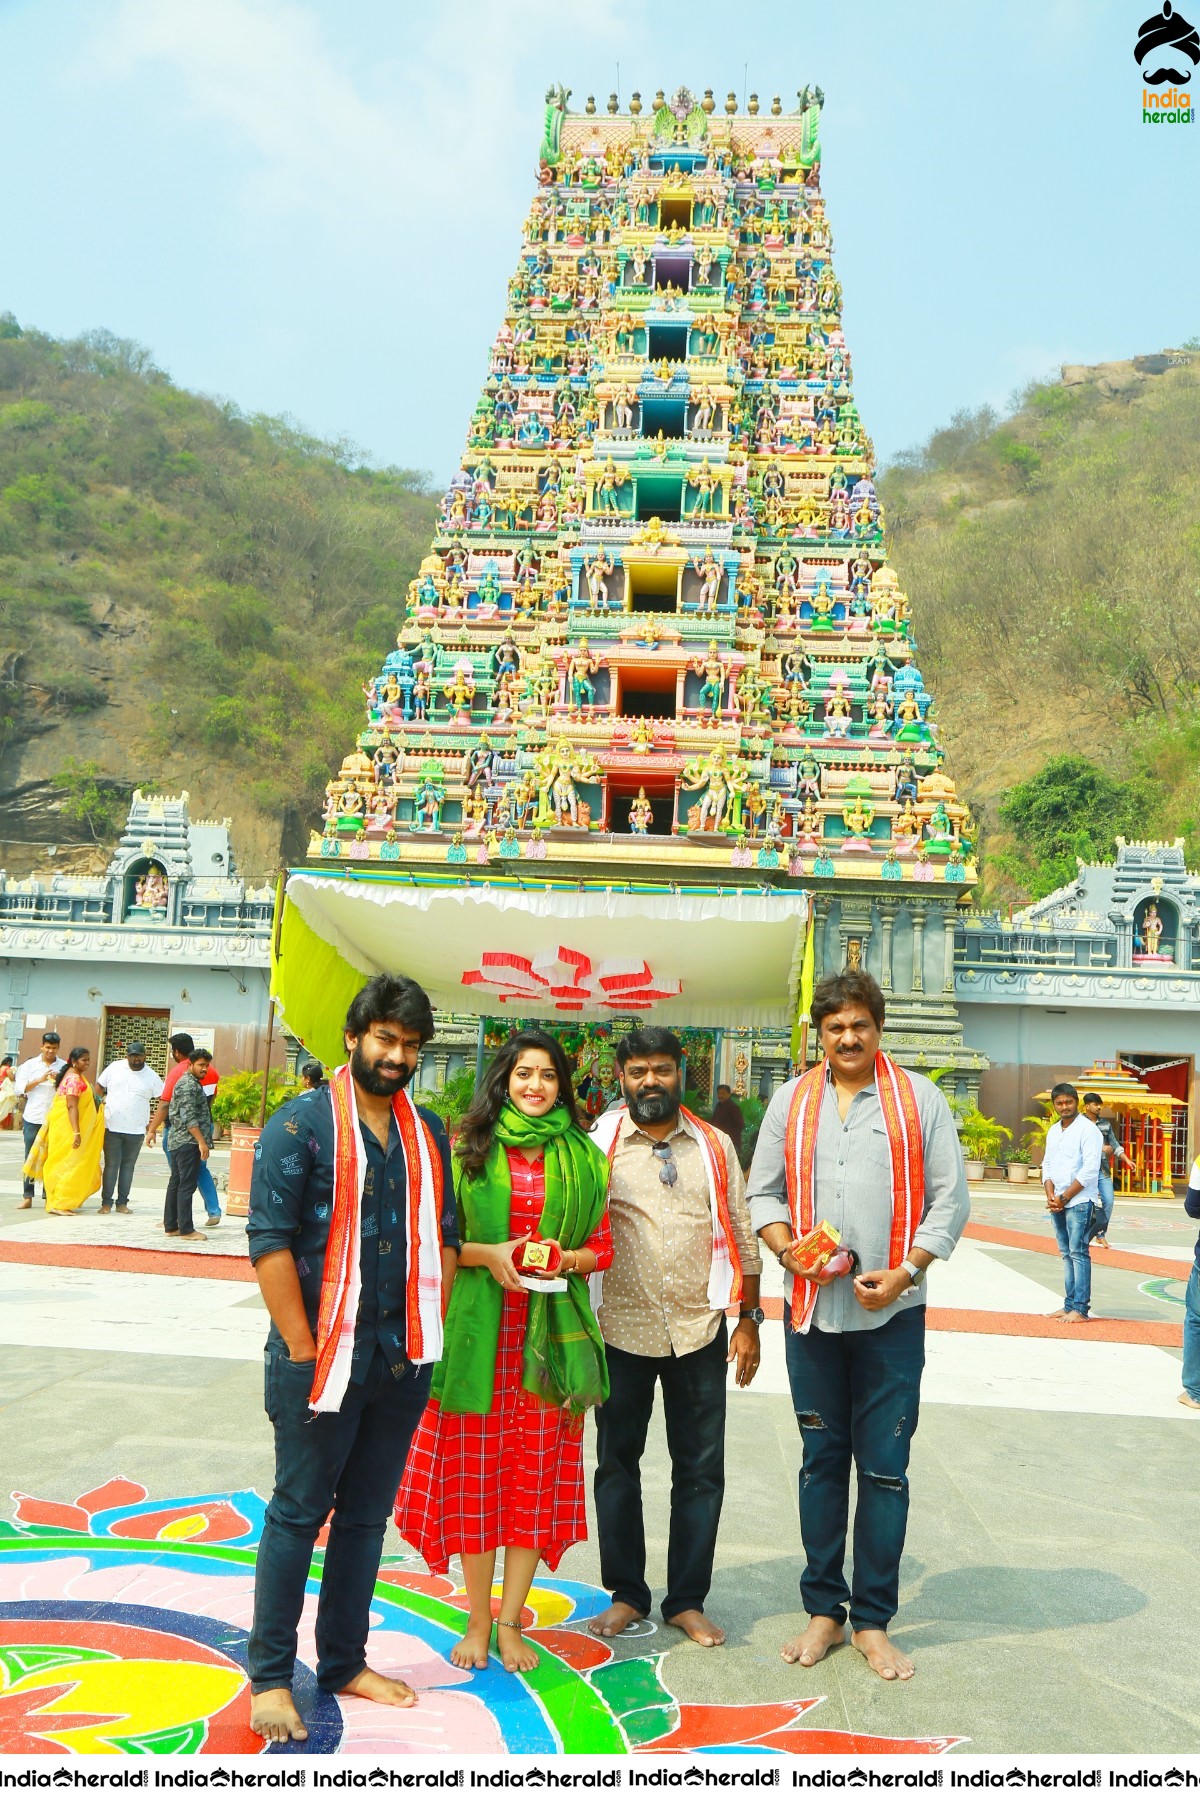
point(887, 920)
point(948, 967)
point(918, 974)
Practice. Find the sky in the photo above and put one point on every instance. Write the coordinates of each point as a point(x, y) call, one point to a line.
point(313, 207)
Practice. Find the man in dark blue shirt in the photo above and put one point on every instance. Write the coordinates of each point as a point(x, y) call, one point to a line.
point(349, 1461)
point(1191, 1315)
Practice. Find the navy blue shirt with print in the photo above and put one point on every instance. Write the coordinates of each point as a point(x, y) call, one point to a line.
point(291, 1204)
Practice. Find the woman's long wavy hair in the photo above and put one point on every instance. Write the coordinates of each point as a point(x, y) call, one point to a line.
point(478, 1125)
point(77, 1052)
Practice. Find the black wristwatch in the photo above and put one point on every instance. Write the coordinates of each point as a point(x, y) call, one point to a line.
point(752, 1312)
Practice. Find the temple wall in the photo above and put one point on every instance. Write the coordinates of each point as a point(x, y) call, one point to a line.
point(1029, 1047)
point(71, 998)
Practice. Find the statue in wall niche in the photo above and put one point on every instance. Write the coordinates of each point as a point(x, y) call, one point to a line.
point(1152, 928)
point(711, 574)
point(596, 569)
point(150, 890)
point(640, 815)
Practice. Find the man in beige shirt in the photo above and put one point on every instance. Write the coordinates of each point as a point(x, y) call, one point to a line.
point(662, 1314)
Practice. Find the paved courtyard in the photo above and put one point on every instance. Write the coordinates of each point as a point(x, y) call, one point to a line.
point(1051, 1558)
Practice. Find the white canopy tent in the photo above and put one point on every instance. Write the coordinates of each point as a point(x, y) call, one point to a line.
point(727, 958)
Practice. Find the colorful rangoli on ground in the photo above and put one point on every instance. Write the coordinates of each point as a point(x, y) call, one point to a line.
point(124, 1622)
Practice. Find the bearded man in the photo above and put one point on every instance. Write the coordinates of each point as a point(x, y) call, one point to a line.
point(683, 1251)
point(353, 1238)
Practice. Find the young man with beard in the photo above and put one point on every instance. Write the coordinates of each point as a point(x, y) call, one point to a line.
point(353, 1239)
point(683, 1251)
point(871, 1149)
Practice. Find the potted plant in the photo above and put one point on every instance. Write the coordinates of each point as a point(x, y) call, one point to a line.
point(1028, 1156)
point(237, 1107)
point(982, 1139)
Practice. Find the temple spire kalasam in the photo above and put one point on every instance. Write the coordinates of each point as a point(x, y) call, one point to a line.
point(656, 635)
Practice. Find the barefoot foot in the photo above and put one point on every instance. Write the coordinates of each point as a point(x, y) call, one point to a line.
point(701, 1630)
point(516, 1655)
point(274, 1717)
point(819, 1637)
point(384, 1688)
point(883, 1656)
point(614, 1620)
point(471, 1650)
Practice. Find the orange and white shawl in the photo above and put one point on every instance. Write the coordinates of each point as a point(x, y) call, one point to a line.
point(341, 1282)
point(725, 1266)
point(906, 1151)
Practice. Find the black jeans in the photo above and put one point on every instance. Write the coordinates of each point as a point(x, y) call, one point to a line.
point(186, 1164)
point(121, 1150)
point(856, 1396)
point(694, 1391)
point(351, 1462)
point(29, 1134)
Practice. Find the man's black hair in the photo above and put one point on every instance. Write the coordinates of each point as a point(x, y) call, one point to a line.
point(1064, 1087)
point(200, 1054)
point(850, 987)
point(182, 1042)
point(394, 1000)
point(723, 1087)
point(1098, 1098)
point(649, 1040)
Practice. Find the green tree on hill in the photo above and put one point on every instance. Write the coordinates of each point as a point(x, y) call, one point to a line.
point(1069, 809)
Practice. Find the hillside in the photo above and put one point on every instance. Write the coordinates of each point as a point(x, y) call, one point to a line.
point(188, 597)
point(193, 598)
point(1052, 559)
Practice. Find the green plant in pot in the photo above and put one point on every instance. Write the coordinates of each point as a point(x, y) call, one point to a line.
point(238, 1099)
point(982, 1137)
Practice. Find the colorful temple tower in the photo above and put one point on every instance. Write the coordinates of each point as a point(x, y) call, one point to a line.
point(656, 637)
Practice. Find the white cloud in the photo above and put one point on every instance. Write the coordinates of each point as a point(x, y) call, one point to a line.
point(321, 136)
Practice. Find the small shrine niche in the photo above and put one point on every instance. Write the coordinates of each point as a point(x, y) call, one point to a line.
point(147, 894)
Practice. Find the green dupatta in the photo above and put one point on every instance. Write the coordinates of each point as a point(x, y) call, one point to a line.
point(564, 1352)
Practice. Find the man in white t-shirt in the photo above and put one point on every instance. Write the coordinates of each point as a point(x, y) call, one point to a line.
point(35, 1079)
point(129, 1090)
point(1070, 1176)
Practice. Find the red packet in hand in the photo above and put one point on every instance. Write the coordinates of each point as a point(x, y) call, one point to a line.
point(811, 1253)
point(536, 1258)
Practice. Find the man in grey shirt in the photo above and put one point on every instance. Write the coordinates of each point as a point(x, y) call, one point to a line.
point(855, 1370)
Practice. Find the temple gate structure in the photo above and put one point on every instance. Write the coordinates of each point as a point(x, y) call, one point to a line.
point(656, 669)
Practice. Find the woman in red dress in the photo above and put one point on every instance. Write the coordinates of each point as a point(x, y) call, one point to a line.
point(497, 1461)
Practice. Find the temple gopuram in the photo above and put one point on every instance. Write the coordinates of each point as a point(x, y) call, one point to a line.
point(656, 645)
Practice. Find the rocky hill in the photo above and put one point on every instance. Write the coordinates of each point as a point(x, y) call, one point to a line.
point(1052, 559)
point(189, 598)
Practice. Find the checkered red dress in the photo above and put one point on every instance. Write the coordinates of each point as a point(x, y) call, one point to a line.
point(513, 1476)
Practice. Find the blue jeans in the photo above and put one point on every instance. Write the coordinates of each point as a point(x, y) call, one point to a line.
point(1103, 1213)
point(857, 1398)
point(1191, 1335)
point(29, 1134)
point(350, 1461)
point(1073, 1229)
point(206, 1187)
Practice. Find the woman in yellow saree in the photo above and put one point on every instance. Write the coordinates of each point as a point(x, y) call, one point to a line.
point(66, 1153)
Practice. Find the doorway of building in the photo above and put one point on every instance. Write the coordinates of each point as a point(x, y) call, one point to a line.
point(1173, 1075)
point(122, 1026)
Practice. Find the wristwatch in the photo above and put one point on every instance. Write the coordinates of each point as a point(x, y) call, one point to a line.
point(915, 1275)
point(753, 1312)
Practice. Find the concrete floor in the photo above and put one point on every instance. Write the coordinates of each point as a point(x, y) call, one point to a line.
point(1051, 1564)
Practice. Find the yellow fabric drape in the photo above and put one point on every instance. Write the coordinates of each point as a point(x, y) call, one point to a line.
point(69, 1175)
point(314, 985)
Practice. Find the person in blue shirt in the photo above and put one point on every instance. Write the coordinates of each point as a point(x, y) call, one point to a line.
point(343, 1411)
point(1191, 1316)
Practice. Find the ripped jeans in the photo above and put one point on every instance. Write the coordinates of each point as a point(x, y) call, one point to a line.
point(856, 1395)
